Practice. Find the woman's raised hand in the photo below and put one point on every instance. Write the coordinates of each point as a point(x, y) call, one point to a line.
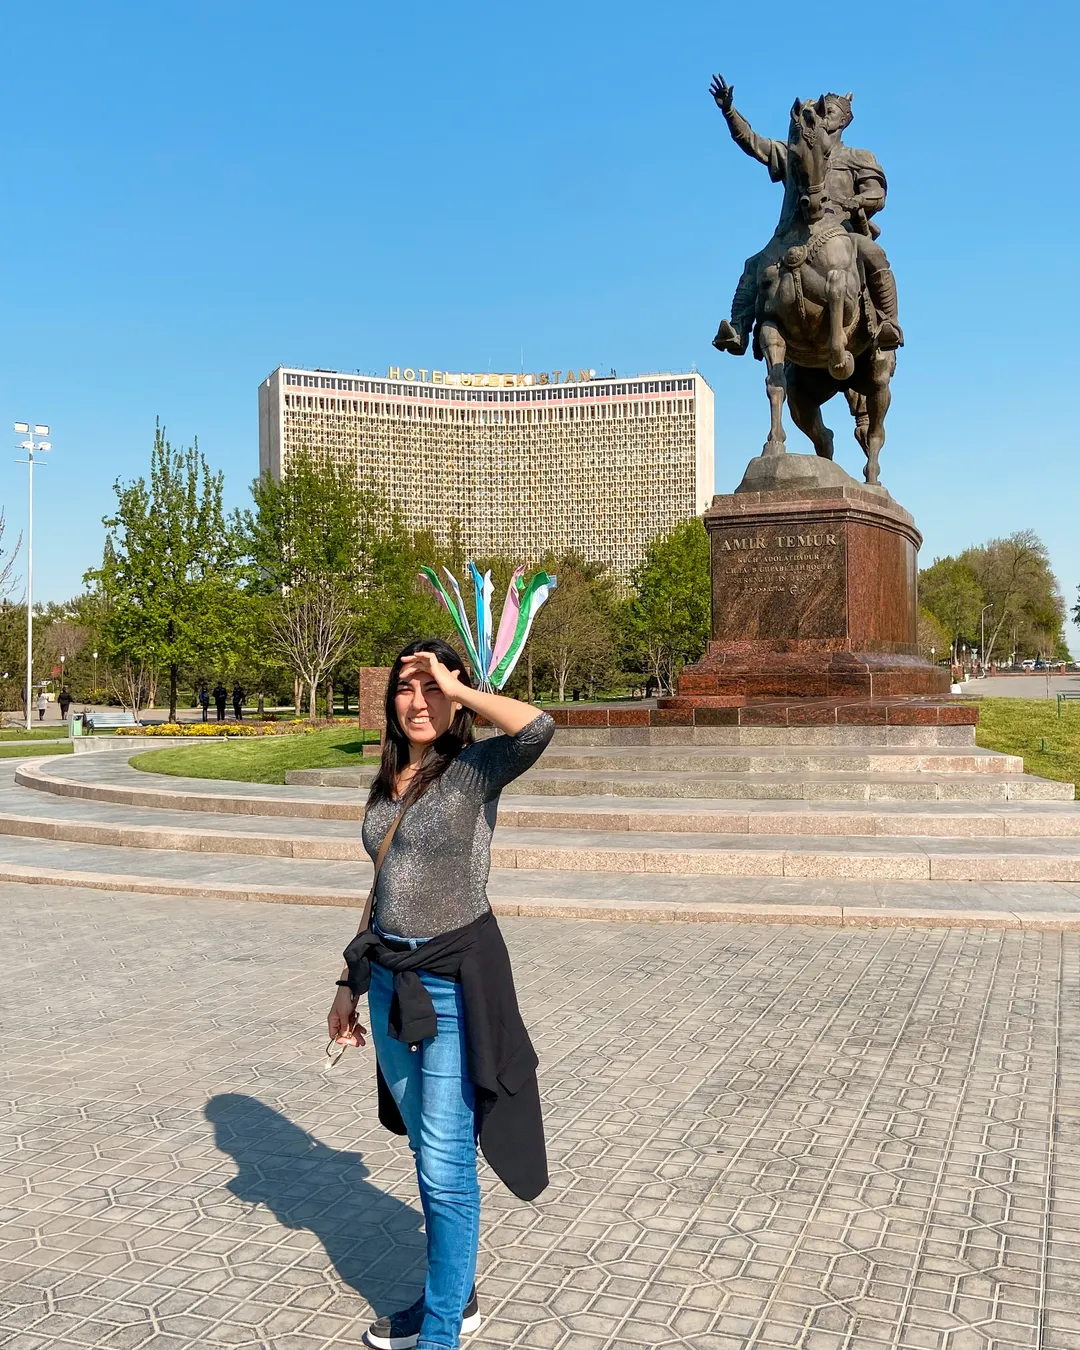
point(427, 664)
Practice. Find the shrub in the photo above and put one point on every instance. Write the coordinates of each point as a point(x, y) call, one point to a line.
point(195, 730)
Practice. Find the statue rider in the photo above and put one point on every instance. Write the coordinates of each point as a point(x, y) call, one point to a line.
point(856, 187)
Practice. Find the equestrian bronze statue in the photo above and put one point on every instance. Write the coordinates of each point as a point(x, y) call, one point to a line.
point(818, 303)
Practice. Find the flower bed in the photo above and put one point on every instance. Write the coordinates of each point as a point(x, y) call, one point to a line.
point(197, 730)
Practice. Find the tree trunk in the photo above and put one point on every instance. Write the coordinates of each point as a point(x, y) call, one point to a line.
point(330, 697)
point(172, 692)
point(529, 670)
point(296, 691)
point(313, 691)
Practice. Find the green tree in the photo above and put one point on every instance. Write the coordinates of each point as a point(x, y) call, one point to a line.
point(1015, 577)
point(666, 621)
point(316, 533)
point(171, 580)
point(396, 605)
point(950, 591)
point(314, 525)
point(934, 641)
point(573, 638)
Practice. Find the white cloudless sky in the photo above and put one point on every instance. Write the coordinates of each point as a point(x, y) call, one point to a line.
point(198, 192)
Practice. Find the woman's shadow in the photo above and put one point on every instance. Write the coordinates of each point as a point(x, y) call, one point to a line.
point(374, 1241)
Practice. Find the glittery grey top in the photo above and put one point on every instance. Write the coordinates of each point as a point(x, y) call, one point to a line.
point(434, 877)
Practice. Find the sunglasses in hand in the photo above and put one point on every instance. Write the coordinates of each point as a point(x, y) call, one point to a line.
point(334, 1051)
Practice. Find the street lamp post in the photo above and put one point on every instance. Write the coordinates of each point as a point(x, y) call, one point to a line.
point(23, 429)
point(982, 631)
point(95, 672)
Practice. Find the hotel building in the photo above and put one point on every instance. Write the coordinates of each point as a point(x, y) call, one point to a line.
point(555, 461)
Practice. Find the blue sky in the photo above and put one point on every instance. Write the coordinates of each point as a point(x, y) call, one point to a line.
point(198, 192)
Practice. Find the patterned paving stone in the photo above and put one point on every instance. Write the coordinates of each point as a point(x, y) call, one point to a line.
point(834, 1139)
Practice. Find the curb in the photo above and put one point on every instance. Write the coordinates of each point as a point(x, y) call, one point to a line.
point(27, 776)
point(914, 864)
point(832, 916)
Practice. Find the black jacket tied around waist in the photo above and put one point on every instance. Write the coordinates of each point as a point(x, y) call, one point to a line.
point(501, 1060)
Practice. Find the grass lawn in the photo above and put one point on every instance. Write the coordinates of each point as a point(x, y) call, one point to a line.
point(56, 731)
point(262, 760)
point(32, 752)
point(1024, 726)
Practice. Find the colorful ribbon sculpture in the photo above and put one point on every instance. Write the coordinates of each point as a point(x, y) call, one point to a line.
point(492, 655)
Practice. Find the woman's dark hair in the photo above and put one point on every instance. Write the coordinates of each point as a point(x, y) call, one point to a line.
point(442, 752)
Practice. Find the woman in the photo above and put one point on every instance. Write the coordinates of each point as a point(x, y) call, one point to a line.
point(454, 1060)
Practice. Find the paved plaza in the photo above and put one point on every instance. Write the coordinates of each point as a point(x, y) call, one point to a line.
point(1038, 684)
point(760, 1136)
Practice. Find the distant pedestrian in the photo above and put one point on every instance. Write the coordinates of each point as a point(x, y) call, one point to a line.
point(238, 696)
point(65, 703)
point(42, 704)
point(204, 699)
point(221, 697)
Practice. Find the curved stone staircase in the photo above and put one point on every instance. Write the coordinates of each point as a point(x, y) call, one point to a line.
point(830, 824)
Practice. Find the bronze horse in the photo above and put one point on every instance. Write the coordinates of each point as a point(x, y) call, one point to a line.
point(816, 327)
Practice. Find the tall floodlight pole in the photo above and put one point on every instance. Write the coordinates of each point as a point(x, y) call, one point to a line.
point(23, 429)
point(982, 632)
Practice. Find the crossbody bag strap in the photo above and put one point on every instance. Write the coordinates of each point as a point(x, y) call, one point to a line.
point(384, 849)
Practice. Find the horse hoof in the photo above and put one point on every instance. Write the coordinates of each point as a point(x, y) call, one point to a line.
point(774, 448)
point(843, 369)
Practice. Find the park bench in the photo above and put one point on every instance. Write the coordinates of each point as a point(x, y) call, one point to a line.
point(1062, 697)
point(108, 719)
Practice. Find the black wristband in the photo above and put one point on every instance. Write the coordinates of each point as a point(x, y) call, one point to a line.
point(343, 984)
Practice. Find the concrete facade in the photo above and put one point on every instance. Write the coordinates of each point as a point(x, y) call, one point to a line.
point(599, 466)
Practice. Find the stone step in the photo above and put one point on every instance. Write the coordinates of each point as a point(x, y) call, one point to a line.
point(776, 760)
point(818, 786)
point(139, 790)
point(870, 736)
point(78, 819)
point(641, 897)
point(960, 819)
point(572, 848)
point(884, 858)
point(849, 787)
point(328, 797)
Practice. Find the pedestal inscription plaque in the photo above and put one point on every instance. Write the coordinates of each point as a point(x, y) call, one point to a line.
point(779, 582)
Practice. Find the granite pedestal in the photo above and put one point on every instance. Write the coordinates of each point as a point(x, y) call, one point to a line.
point(813, 592)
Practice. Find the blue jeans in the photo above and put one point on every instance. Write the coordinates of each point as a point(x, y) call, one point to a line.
point(434, 1094)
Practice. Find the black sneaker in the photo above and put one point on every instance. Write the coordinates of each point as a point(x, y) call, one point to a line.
point(401, 1330)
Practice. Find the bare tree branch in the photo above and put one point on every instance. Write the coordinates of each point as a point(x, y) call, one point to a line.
point(314, 628)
